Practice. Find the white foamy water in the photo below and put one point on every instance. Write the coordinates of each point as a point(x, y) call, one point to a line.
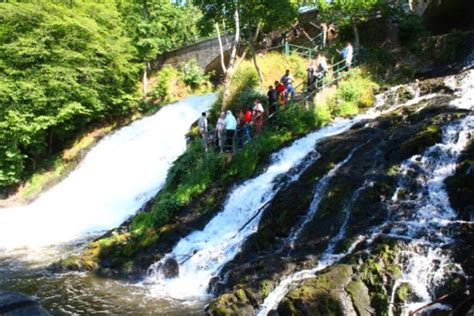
point(116, 178)
point(426, 266)
point(318, 193)
point(221, 239)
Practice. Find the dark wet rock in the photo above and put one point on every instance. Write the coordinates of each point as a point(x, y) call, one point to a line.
point(15, 304)
point(460, 186)
point(170, 268)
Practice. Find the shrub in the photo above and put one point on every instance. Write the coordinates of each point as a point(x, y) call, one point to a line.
point(193, 75)
point(167, 78)
point(175, 83)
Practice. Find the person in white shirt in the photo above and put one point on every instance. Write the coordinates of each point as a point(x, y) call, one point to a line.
point(258, 113)
point(348, 53)
point(203, 129)
point(230, 127)
point(220, 129)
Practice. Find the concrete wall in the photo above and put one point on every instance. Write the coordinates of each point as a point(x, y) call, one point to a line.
point(203, 52)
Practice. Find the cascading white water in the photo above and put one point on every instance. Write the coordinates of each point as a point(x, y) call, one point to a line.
point(222, 238)
point(116, 178)
point(427, 264)
point(327, 258)
point(455, 137)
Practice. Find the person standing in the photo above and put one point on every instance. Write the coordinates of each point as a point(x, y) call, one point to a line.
point(287, 80)
point(311, 76)
point(203, 129)
point(322, 69)
point(347, 54)
point(281, 94)
point(324, 31)
point(230, 127)
point(240, 128)
point(258, 115)
point(248, 121)
point(220, 129)
point(272, 100)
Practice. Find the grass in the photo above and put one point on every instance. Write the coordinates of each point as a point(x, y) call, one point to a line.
point(245, 85)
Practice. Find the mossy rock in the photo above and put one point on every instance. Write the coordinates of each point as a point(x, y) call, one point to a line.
point(359, 294)
point(319, 295)
point(236, 303)
point(429, 136)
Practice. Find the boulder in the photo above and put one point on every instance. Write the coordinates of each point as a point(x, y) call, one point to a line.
point(170, 268)
point(16, 304)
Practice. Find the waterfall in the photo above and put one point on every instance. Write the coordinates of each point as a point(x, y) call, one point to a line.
point(115, 179)
point(207, 251)
point(426, 213)
point(432, 211)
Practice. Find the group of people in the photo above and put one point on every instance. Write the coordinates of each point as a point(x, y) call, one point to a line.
point(230, 128)
point(318, 68)
point(280, 93)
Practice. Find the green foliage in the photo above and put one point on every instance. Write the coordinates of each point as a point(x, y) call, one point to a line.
point(266, 13)
point(65, 67)
point(162, 90)
point(354, 92)
point(156, 26)
point(193, 75)
point(411, 28)
point(348, 12)
point(173, 83)
point(358, 88)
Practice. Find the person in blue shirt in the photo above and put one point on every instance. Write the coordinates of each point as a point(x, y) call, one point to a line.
point(287, 81)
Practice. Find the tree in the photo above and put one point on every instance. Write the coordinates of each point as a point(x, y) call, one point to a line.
point(349, 13)
point(156, 26)
point(245, 18)
point(64, 67)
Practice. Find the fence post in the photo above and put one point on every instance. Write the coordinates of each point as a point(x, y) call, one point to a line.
point(287, 49)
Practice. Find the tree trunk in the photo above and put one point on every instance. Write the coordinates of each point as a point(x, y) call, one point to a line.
point(356, 37)
point(145, 69)
point(252, 40)
point(145, 79)
point(230, 68)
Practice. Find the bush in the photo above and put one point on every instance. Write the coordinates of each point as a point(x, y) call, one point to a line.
point(355, 91)
point(164, 88)
point(175, 83)
point(193, 75)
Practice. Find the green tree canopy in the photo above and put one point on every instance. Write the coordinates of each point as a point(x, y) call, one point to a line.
point(63, 67)
point(349, 12)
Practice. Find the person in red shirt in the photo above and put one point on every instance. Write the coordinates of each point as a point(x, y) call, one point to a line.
point(248, 121)
point(281, 94)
